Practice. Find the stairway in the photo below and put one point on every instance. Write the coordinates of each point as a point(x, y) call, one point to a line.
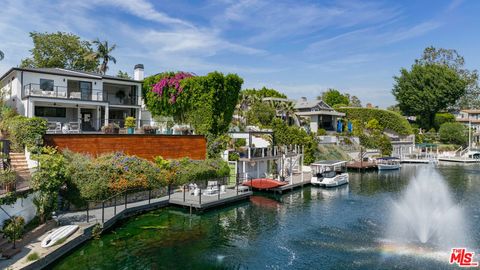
point(18, 163)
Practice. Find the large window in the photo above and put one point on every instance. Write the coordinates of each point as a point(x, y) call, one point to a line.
point(46, 85)
point(50, 112)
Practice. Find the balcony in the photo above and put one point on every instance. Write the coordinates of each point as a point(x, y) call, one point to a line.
point(63, 92)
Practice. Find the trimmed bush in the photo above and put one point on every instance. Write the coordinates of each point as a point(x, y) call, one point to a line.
point(26, 132)
point(387, 119)
point(454, 133)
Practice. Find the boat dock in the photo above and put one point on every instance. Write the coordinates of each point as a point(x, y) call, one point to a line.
point(295, 183)
point(202, 201)
point(459, 159)
point(361, 166)
point(414, 160)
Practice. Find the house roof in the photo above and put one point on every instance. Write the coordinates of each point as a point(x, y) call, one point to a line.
point(308, 104)
point(471, 111)
point(68, 72)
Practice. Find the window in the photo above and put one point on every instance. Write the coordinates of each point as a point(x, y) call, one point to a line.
point(50, 112)
point(46, 85)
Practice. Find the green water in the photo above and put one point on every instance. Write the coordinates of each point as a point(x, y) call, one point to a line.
point(310, 228)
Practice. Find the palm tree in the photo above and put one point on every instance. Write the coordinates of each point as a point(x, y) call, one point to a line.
point(103, 53)
point(2, 55)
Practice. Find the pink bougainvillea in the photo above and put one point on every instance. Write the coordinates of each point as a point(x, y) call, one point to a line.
point(171, 82)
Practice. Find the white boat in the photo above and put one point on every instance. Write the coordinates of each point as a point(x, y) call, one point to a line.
point(388, 163)
point(58, 234)
point(329, 173)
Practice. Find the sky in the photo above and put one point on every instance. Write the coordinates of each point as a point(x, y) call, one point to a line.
point(300, 48)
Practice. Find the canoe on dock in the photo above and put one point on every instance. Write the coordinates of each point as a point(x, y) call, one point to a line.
point(263, 183)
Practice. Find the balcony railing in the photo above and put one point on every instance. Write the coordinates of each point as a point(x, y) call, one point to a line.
point(63, 92)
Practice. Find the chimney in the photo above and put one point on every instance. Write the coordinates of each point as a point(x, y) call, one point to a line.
point(138, 72)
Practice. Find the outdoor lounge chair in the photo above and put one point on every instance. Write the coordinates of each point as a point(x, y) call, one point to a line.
point(73, 127)
point(54, 127)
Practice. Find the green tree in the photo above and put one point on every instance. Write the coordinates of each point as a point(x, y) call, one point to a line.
point(13, 228)
point(441, 118)
point(261, 114)
point(455, 61)
point(2, 55)
point(123, 75)
point(427, 89)
point(263, 93)
point(103, 53)
point(333, 97)
point(59, 50)
point(354, 102)
point(453, 132)
point(50, 175)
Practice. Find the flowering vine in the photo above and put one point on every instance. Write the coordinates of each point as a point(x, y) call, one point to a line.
point(171, 82)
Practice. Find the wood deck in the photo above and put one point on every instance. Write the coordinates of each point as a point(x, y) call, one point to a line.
point(296, 183)
point(208, 201)
point(459, 160)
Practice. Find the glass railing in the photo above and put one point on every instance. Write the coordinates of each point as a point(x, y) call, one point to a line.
point(35, 90)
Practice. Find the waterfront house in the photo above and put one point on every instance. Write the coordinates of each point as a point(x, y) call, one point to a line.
point(75, 101)
point(471, 118)
point(320, 114)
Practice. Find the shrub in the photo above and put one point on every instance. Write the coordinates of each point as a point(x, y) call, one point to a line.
point(33, 257)
point(13, 228)
point(26, 132)
point(261, 114)
point(240, 142)
point(7, 177)
point(130, 122)
point(441, 118)
point(455, 133)
point(232, 156)
point(111, 128)
point(292, 135)
point(321, 132)
point(386, 119)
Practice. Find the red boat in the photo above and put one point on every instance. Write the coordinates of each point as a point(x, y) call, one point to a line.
point(263, 183)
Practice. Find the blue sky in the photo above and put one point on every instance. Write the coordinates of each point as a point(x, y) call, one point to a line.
point(300, 48)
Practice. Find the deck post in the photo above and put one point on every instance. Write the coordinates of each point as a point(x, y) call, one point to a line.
point(125, 199)
point(200, 197)
point(184, 193)
point(115, 205)
point(169, 192)
point(149, 195)
point(218, 188)
point(103, 212)
point(88, 219)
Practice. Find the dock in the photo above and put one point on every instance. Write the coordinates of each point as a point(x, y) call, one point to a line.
point(202, 202)
point(414, 160)
point(459, 159)
point(295, 183)
point(361, 166)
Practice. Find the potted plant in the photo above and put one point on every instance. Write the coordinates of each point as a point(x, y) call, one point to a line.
point(120, 95)
point(130, 124)
point(111, 128)
point(149, 130)
point(170, 125)
point(7, 179)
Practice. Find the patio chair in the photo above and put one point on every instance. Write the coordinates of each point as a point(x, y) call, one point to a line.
point(54, 127)
point(212, 184)
point(73, 127)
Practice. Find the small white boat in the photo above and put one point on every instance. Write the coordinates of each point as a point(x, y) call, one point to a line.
point(388, 163)
point(58, 234)
point(329, 173)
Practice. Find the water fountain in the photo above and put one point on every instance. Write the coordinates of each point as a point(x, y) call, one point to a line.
point(426, 217)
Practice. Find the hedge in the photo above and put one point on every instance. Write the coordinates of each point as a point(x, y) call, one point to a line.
point(387, 119)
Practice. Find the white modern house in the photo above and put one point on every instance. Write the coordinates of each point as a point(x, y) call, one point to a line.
point(471, 119)
point(320, 114)
point(75, 101)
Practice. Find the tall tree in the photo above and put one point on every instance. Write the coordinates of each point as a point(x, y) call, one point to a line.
point(455, 61)
point(123, 75)
point(333, 97)
point(59, 50)
point(103, 53)
point(2, 55)
point(427, 89)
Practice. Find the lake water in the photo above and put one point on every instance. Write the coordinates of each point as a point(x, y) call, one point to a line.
point(309, 228)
